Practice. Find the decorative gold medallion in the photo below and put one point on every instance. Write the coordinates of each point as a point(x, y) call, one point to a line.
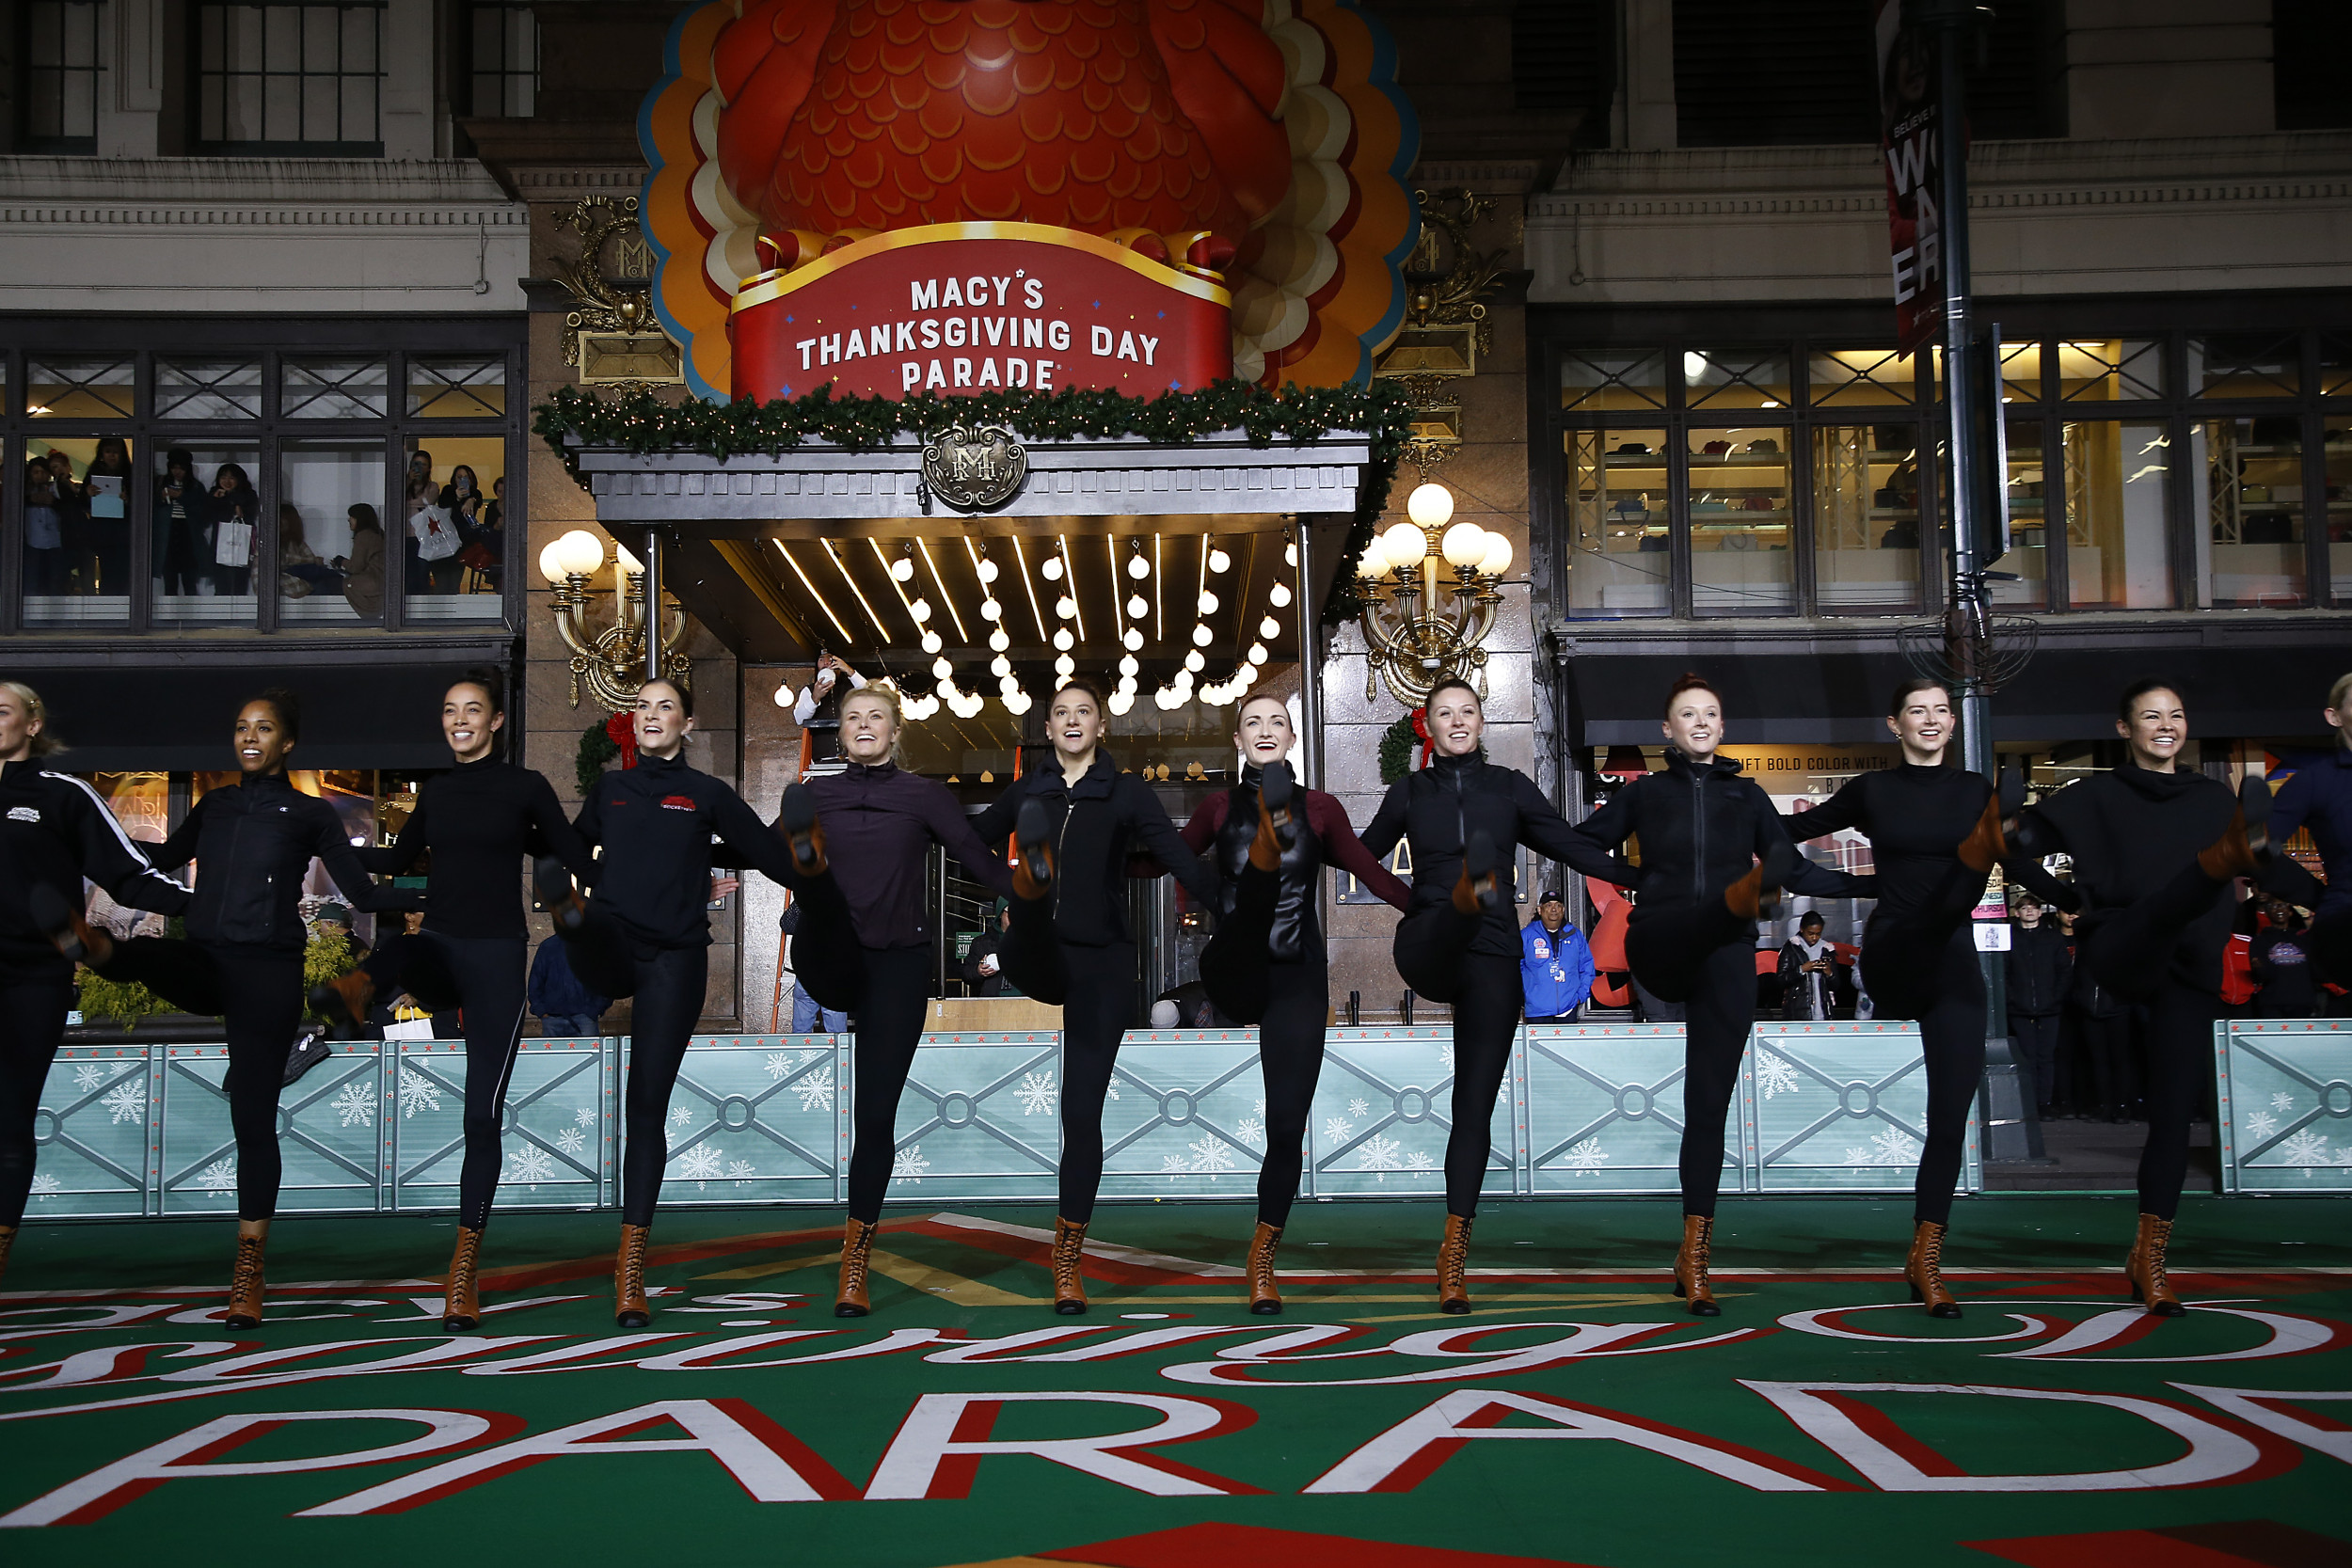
point(974, 467)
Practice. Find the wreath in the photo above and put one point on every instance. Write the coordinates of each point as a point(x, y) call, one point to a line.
point(639, 421)
point(615, 737)
point(1399, 741)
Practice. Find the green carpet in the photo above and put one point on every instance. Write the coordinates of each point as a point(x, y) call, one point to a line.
point(1578, 1416)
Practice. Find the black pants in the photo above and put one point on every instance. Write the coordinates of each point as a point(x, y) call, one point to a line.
point(1100, 1010)
point(2175, 1026)
point(1288, 1001)
point(1434, 954)
point(1704, 956)
point(2037, 1053)
point(258, 993)
point(483, 977)
point(668, 985)
point(2107, 1054)
point(886, 1023)
point(1951, 1036)
point(33, 1004)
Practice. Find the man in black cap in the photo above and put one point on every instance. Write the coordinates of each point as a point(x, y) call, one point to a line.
point(1555, 964)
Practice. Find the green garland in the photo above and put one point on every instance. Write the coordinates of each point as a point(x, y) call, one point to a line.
point(638, 421)
point(597, 747)
point(1397, 744)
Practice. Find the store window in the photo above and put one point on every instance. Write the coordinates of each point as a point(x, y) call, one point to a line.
point(2028, 491)
point(2117, 539)
point(2252, 555)
point(1735, 378)
point(208, 388)
point(2111, 370)
point(290, 79)
point(1742, 559)
point(330, 533)
point(335, 388)
point(457, 389)
point(77, 540)
point(2336, 466)
point(504, 64)
point(96, 388)
point(1859, 377)
point(2335, 364)
point(1866, 519)
point(454, 530)
point(206, 534)
point(2243, 366)
point(1619, 563)
point(1600, 380)
point(58, 76)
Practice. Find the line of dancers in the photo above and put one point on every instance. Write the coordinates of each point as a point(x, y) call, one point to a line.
point(2155, 851)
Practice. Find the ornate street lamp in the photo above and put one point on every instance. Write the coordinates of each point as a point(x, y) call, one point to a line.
point(1416, 635)
point(614, 662)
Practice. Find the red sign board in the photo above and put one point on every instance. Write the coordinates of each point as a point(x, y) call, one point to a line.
point(1909, 147)
point(969, 307)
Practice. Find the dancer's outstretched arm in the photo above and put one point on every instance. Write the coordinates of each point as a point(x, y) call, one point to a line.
point(1591, 846)
point(1342, 848)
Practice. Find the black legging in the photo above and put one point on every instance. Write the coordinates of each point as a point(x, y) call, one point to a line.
point(1100, 1010)
point(668, 983)
point(1433, 953)
point(2036, 1052)
point(886, 1024)
point(2106, 1046)
point(257, 994)
point(1288, 1002)
point(1704, 956)
point(32, 1022)
point(484, 977)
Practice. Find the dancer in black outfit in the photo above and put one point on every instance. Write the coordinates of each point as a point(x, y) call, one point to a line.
point(646, 934)
point(54, 831)
point(1459, 941)
point(860, 842)
point(1935, 832)
point(1094, 816)
point(2156, 849)
point(1268, 964)
point(241, 963)
point(1713, 858)
point(480, 821)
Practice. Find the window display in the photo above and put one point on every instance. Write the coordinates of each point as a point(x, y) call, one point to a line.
point(1866, 519)
point(1618, 560)
point(1740, 559)
point(2251, 554)
point(2118, 549)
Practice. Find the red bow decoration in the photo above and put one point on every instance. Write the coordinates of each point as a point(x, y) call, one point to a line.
point(1421, 732)
point(621, 729)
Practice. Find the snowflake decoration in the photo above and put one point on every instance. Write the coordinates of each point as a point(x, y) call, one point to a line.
point(530, 1165)
point(1419, 1159)
point(816, 1091)
point(356, 1103)
point(1037, 1093)
point(700, 1164)
point(908, 1165)
point(1445, 1055)
point(778, 1065)
point(1257, 1108)
point(1895, 1148)
point(1359, 1108)
point(1858, 1156)
point(220, 1177)
point(45, 1185)
point(2260, 1124)
point(741, 1172)
point(1337, 1129)
point(2308, 1150)
point(1250, 1130)
point(1215, 1153)
point(126, 1102)
point(419, 1093)
point(1111, 1089)
point(1174, 1165)
point(1587, 1157)
point(680, 1117)
point(88, 1076)
point(584, 1117)
point(808, 1056)
point(1379, 1153)
point(1774, 1075)
point(570, 1140)
point(2282, 1102)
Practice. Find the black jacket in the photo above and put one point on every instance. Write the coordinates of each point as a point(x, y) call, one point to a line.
point(2040, 969)
point(1701, 828)
point(990, 943)
point(1096, 826)
point(55, 831)
point(478, 820)
point(656, 822)
point(2131, 831)
point(1437, 807)
point(253, 842)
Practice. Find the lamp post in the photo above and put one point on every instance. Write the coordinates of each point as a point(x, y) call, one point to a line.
point(611, 664)
point(1417, 630)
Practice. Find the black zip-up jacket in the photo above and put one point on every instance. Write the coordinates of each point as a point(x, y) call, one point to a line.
point(253, 842)
point(479, 819)
point(656, 822)
point(2130, 830)
point(1701, 828)
point(2039, 965)
point(1916, 818)
point(1437, 807)
point(55, 831)
point(1095, 827)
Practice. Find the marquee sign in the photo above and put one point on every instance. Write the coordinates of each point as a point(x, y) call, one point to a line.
point(968, 308)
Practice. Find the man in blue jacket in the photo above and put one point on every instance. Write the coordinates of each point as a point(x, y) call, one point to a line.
point(1555, 965)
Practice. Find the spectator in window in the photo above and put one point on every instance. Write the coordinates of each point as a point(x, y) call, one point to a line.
point(480, 545)
point(427, 518)
point(183, 518)
point(72, 523)
point(45, 531)
point(107, 519)
point(234, 501)
point(300, 572)
point(2283, 964)
point(1555, 963)
point(363, 569)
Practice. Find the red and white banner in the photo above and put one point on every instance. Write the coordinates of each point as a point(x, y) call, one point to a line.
point(969, 307)
point(1909, 147)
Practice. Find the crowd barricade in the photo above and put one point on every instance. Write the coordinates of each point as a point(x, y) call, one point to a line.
point(1583, 1110)
point(2283, 1096)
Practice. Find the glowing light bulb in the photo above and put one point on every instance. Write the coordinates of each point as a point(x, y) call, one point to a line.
point(1279, 596)
point(943, 668)
point(1137, 606)
point(1257, 653)
point(1200, 637)
point(1008, 682)
point(1129, 664)
point(628, 561)
point(1404, 545)
point(1122, 702)
point(1063, 640)
point(1138, 567)
point(1431, 505)
point(1221, 562)
point(987, 570)
point(1208, 604)
point(1067, 608)
point(999, 640)
point(551, 562)
point(1290, 554)
point(1373, 563)
point(1051, 571)
point(1065, 667)
point(1015, 703)
point(1134, 638)
point(1497, 558)
point(1196, 661)
point(1000, 666)
point(1269, 628)
point(991, 610)
point(783, 694)
point(921, 610)
point(904, 568)
point(931, 642)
